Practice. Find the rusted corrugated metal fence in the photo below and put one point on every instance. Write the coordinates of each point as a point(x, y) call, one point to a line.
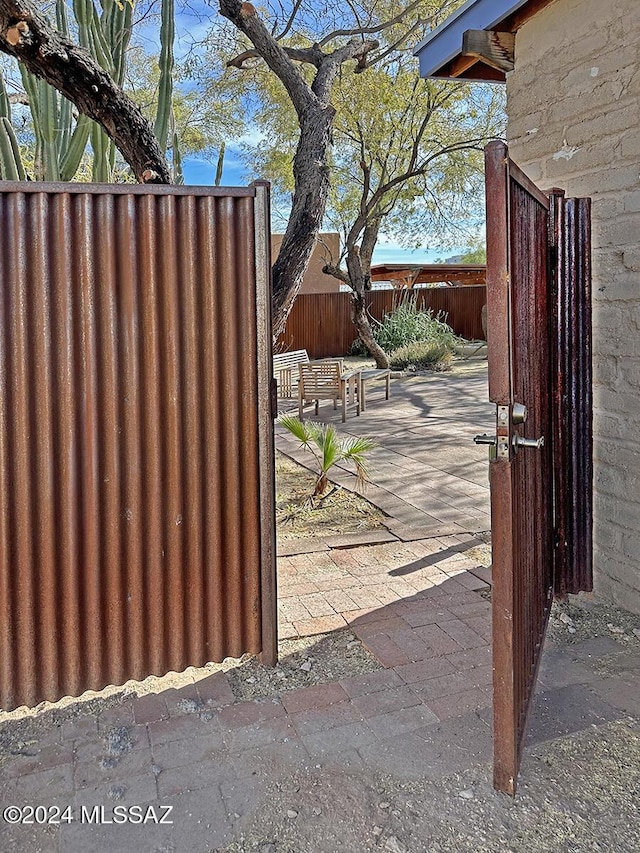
point(321, 322)
point(136, 479)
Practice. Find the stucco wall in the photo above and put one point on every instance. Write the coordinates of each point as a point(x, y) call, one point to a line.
point(574, 121)
point(326, 250)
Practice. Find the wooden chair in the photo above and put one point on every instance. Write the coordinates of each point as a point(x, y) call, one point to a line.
point(284, 364)
point(326, 381)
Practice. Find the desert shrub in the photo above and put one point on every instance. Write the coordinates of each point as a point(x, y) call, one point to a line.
point(406, 324)
point(433, 355)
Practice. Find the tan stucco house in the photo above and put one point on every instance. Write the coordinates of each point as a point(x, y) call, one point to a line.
point(572, 73)
point(325, 251)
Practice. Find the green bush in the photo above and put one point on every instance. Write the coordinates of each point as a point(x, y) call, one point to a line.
point(433, 355)
point(406, 324)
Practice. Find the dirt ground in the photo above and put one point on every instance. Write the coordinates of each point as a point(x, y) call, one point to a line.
point(297, 517)
point(577, 793)
point(576, 797)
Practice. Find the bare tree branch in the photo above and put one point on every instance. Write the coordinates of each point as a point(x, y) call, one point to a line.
point(310, 55)
point(336, 272)
point(289, 24)
point(372, 30)
point(397, 45)
point(246, 19)
point(325, 78)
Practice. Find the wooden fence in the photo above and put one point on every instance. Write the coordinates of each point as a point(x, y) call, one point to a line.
point(321, 322)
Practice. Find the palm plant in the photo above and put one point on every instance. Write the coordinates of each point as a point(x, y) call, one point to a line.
point(323, 442)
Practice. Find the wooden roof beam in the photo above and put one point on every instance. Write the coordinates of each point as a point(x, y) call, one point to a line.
point(495, 49)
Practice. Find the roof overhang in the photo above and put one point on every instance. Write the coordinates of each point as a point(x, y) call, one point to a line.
point(446, 52)
point(409, 274)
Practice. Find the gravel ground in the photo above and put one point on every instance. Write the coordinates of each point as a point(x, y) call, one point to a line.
point(579, 618)
point(303, 662)
point(578, 794)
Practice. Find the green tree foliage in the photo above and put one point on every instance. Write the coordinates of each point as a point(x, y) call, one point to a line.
point(346, 127)
point(477, 254)
point(406, 161)
point(311, 47)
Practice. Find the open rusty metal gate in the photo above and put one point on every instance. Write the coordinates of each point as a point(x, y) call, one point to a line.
point(539, 330)
point(136, 437)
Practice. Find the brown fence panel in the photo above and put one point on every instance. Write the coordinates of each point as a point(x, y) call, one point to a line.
point(136, 480)
point(321, 322)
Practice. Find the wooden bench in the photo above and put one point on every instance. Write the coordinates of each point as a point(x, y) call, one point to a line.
point(327, 381)
point(369, 376)
point(285, 366)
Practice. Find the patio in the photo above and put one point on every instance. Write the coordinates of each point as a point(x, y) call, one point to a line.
point(427, 476)
point(397, 758)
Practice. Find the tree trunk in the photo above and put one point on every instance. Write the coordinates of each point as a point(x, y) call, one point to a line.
point(360, 320)
point(311, 172)
point(359, 268)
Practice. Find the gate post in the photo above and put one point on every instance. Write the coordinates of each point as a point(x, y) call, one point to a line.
point(268, 597)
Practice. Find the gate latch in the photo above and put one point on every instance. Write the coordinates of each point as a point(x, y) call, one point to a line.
point(500, 442)
point(499, 446)
point(491, 441)
point(519, 441)
point(485, 439)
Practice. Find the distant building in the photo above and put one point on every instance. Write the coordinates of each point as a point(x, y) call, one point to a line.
point(326, 250)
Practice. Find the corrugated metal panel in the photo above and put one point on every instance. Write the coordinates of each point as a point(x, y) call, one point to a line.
point(321, 322)
point(573, 399)
point(134, 467)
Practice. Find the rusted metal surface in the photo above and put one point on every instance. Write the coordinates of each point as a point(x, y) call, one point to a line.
point(267, 412)
point(136, 484)
point(521, 483)
point(321, 322)
point(539, 335)
point(573, 398)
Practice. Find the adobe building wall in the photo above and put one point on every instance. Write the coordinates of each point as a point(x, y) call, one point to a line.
point(326, 250)
point(573, 103)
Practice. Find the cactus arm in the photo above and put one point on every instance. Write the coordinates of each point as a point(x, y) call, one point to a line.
point(5, 103)
point(165, 88)
point(11, 166)
point(72, 156)
point(100, 172)
point(50, 137)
